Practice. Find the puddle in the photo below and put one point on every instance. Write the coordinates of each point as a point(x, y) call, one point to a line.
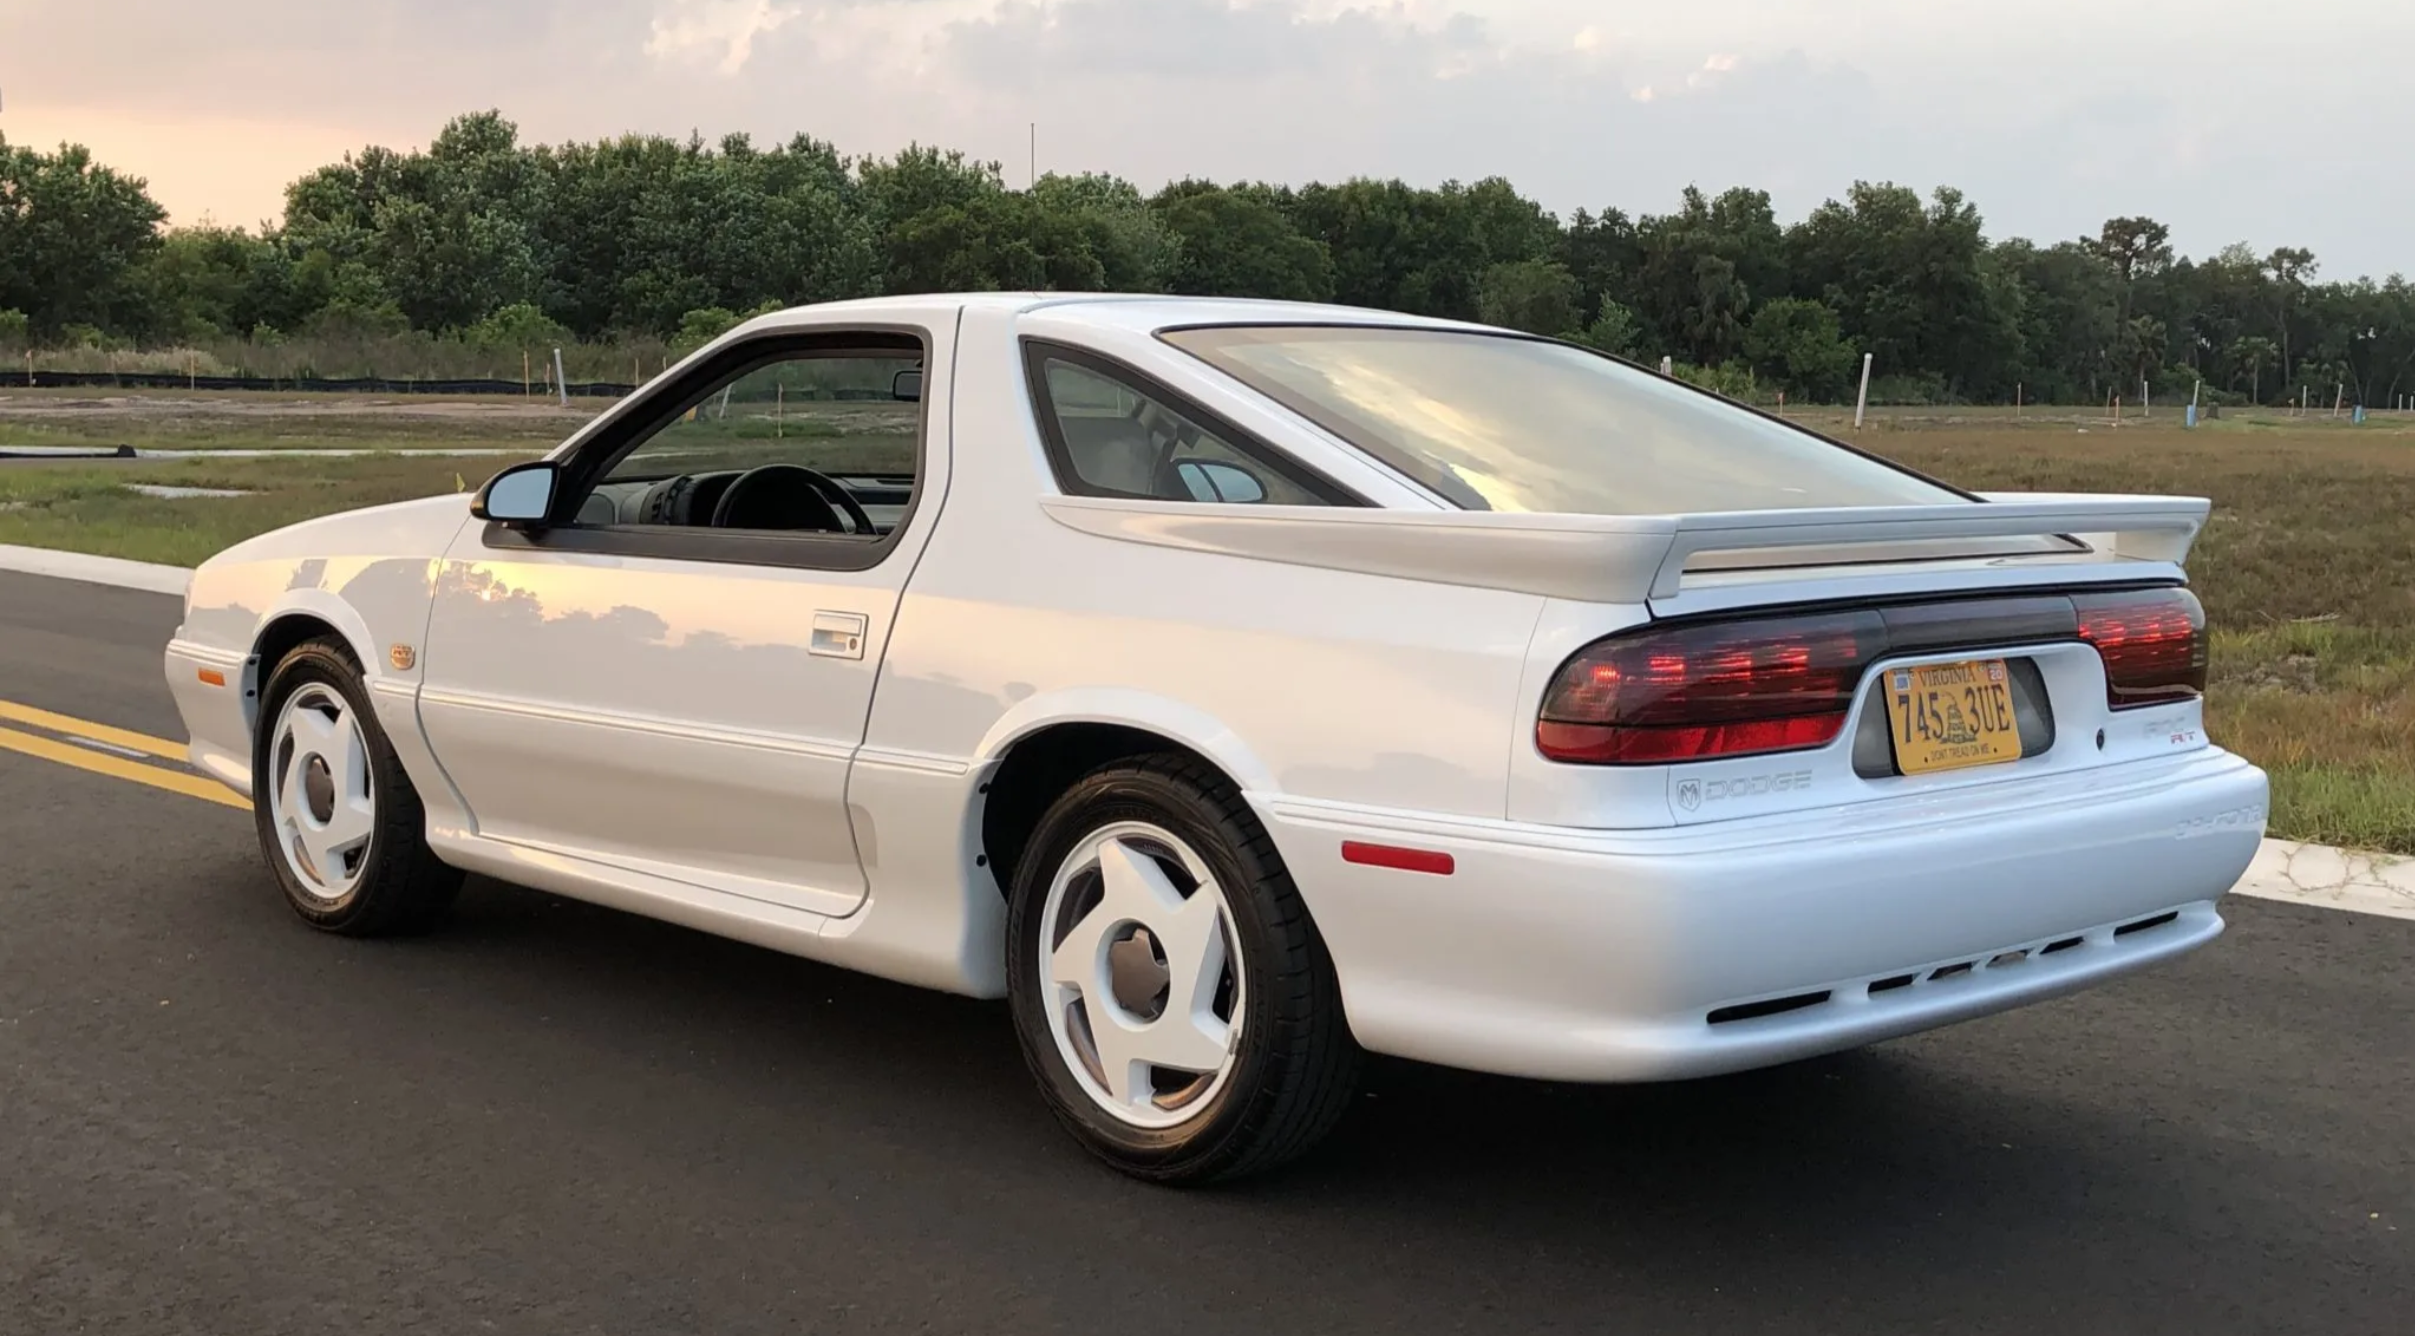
point(179, 493)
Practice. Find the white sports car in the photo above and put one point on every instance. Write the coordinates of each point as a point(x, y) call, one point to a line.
point(1236, 687)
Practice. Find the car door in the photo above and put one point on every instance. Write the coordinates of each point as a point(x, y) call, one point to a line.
point(674, 674)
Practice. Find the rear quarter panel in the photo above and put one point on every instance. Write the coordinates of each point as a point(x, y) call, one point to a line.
point(1313, 683)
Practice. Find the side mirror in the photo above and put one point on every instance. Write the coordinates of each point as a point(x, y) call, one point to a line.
point(906, 387)
point(520, 496)
point(1208, 480)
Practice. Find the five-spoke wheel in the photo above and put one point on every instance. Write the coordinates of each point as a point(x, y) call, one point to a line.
point(338, 819)
point(1146, 1003)
point(1170, 992)
point(322, 792)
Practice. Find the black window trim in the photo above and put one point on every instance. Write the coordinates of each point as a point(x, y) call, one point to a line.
point(1038, 352)
point(623, 435)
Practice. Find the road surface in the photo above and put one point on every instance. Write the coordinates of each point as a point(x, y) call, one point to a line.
point(554, 1118)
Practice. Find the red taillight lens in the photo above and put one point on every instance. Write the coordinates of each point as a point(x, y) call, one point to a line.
point(2153, 643)
point(1714, 690)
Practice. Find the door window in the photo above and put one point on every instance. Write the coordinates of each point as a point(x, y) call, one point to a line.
point(820, 443)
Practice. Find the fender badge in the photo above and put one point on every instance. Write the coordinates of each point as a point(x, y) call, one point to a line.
point(402, 657)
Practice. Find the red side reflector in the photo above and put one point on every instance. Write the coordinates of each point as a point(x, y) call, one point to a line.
point(1393, 856)
point(211, 677)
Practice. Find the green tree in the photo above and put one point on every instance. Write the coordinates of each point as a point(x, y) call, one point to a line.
point(205, 281)
point(2070, 314)
point(1913, 285)
point(1701, 270)
point(1602, 252)
point(1537, 296)
point(2250, 356)
point(1135, 251)
point(74, 236)
point(1799, 344)
point(1614, 330)
point(2289, 267)
point(520, 327)
point(1234, 245)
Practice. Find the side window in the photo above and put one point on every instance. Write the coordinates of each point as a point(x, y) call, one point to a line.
point(1116, 439)
point(819, 442)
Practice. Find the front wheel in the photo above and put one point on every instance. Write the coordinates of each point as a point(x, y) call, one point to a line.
point(1171, 994)
point(341, 826)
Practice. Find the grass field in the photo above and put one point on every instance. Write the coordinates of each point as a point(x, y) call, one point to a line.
point(2307, 568)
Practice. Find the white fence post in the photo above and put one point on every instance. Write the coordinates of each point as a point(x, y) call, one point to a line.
point(1862, 403)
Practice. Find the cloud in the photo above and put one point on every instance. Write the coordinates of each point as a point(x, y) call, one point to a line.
point(726, 29)
point(1575, 101)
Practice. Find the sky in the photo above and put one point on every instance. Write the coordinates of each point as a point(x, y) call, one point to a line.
point(2229, 120)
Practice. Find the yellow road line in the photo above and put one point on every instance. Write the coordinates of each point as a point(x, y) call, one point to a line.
point(175, 781)
point(60, 723)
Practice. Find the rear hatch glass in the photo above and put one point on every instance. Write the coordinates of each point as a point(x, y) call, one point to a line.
point(1506, 423)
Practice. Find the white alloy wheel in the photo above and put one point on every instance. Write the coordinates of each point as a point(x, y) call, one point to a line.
point(1141, 975)
point(323, 801)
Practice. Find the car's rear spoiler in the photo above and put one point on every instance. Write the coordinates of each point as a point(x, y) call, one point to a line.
point(1627, 558)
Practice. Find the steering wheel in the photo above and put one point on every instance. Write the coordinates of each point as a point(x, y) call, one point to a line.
point(779, 491)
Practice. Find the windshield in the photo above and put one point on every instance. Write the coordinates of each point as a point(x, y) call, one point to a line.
point(1497, 422)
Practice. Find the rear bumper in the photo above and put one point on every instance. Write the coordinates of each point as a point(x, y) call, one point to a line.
point(1603, 956)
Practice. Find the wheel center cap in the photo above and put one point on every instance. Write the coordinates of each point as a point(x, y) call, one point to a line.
point(318, 789)
point(1137, 973)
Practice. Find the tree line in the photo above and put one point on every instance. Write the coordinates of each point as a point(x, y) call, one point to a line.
point(484, 242)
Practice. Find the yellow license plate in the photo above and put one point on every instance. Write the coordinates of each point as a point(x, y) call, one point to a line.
point(1947, 716)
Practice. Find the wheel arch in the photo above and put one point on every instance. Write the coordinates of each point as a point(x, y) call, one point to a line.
point(308, 614)
point(1040, 748)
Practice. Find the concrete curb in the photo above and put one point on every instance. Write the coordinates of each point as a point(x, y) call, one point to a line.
point(2306, 874)
point(113, 571)
point(2317, 874)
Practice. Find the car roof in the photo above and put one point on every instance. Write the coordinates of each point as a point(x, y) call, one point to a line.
point(1133, 311)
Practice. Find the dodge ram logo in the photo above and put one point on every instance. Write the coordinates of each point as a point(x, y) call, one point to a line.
point(1689, 794)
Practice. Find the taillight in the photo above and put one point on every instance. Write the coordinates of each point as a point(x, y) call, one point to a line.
point(2152, 641)
point(1690, 692)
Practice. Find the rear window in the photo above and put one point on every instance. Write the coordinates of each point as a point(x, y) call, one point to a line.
point(1497, 422)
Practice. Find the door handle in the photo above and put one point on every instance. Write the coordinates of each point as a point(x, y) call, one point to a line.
point(839, 635)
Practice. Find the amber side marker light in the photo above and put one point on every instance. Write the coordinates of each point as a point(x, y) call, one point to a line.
point(1394, 856)
point(212, 677)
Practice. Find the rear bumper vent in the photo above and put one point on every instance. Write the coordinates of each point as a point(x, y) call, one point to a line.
point(1775, 1006)
point(1976, 971)
point(2145, 923)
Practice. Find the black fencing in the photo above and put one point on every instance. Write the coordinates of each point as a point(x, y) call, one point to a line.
point(147, 380)
point(162, 380)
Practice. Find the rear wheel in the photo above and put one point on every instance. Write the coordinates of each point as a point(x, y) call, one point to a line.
point(342, 828)
point(1171, 994)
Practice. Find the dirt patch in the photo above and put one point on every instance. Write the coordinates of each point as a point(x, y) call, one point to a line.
point(2293, 673)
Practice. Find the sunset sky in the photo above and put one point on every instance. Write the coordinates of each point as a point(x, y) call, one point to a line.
point(2231, 121)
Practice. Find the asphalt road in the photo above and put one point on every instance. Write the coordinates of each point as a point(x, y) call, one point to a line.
point(554, 1118)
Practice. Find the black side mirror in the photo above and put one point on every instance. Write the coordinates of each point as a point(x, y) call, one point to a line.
point(906, 386)
point(520, 496)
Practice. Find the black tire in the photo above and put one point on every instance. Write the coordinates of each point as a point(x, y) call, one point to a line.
point(402, 886)
point(1296, 1064)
